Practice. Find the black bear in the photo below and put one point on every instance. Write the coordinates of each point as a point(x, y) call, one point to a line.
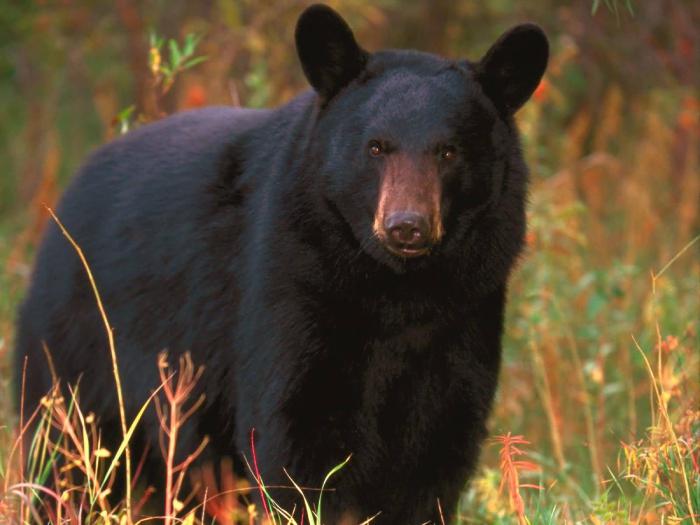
point(339, 265)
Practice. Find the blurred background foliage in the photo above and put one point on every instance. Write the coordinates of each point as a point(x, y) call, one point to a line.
point(612, 136)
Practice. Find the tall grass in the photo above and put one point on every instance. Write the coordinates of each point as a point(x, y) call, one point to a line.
point(611, 438)
point(598, 413)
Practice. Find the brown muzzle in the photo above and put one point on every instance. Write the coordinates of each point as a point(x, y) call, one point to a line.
point(407, 220)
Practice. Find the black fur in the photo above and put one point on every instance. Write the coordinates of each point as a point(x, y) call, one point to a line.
point(245, 237)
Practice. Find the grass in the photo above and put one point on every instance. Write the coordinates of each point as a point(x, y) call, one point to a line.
point(597, 419)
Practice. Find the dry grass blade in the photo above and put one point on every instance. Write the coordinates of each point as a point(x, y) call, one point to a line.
point(113, 356)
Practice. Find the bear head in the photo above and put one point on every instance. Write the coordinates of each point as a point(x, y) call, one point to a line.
point(414, 150)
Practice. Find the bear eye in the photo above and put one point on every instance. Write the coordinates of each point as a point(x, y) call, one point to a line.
point(448, 153)
point(375, 148)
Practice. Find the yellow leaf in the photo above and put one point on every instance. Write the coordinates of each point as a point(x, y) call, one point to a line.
point(189, 519)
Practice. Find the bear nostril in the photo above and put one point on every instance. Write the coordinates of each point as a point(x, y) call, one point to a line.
point(406, 230)
point(404, 233)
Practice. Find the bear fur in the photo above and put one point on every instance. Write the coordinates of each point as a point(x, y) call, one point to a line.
point(251, 239)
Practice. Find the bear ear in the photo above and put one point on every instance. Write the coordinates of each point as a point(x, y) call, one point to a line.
point(512, 68)
point(329, 54)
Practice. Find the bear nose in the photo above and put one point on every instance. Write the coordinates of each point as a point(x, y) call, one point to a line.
point(407, 232)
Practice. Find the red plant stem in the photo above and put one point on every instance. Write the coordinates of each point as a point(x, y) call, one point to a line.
point(140, 465)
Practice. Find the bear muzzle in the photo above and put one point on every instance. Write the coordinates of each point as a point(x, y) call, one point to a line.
point(407, 219)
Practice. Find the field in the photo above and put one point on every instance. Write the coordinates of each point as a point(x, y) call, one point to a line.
point(597, 419)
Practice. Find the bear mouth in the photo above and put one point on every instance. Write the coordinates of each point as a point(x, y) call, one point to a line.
point(407, 253)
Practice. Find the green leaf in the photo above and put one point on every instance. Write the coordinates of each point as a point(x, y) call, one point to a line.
point(191, 42)
point(127, 438)
point(310, 514)
point(154, 40)
point(123, 118)
point(595, 304)
point(194, 61)
point(325, 480)
point(174, 53)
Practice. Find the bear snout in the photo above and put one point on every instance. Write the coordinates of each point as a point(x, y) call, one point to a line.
point(407, 233)
point(407, 220)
